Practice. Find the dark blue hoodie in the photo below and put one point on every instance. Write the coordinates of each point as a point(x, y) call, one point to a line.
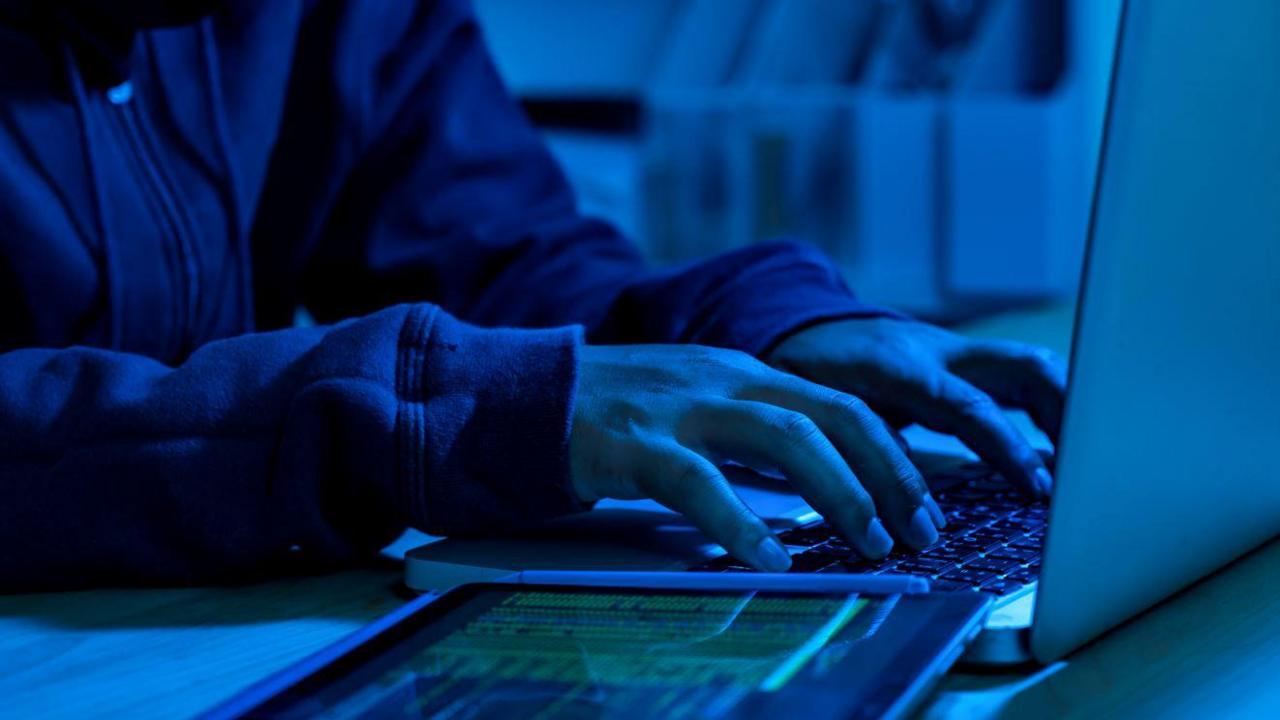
point(169, 196)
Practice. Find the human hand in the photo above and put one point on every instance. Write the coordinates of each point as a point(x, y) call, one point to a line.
point(910, 371)
point(653, 421)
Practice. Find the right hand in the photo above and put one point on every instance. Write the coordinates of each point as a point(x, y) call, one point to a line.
point(653, 421)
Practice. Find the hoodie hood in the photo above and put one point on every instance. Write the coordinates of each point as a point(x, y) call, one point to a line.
point(101, 32)
point(141, 14)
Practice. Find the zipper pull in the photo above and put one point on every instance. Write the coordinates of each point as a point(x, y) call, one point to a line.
point(120, 94)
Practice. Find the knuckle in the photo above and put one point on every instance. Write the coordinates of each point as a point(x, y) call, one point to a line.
point(688, 473)
point(855, 414)
point(1046, 362)
point(842, 403)
point(702, 356)
point(1035, 357)
point(795, 428)
point(748, 363)
point(725, 360)
point(974, 404)
point(1032, 357)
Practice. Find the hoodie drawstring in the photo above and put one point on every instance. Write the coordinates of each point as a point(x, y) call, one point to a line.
point(97, 185)
point(222, 130)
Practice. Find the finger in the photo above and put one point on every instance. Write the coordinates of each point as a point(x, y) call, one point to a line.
point(958, 408)
point(692, 486)
point(898, 439)
point(1019, 376)
point(866, 444)
point(770, 437)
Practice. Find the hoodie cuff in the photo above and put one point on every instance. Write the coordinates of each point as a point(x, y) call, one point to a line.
point(781, 289)
point(483, 423)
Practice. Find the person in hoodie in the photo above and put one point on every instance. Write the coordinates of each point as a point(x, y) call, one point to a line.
point(178, 177)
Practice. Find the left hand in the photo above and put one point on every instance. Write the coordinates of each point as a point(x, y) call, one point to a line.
point(912, 372)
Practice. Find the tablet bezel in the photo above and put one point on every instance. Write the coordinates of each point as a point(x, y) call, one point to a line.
point(921, 639)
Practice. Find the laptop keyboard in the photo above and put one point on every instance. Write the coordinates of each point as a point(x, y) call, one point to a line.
point(991, 543)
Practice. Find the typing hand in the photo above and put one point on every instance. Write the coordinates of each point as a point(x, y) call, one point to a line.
point(911, 372)
point(653, 421)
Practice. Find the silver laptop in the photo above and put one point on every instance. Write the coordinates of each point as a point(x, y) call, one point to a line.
point(1165, 469)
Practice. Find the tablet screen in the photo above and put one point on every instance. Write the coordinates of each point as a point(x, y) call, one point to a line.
point(507, 652)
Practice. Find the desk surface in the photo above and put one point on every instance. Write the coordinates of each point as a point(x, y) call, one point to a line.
point(172, 653)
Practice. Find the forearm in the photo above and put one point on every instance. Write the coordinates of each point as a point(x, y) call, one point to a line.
point(309, 447)
point(748, 300)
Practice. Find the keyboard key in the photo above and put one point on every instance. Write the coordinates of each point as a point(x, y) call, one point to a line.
point(937, 585)
point(925, 570)
point(951, 552)
point(1015, 526)
point(1001, 506)
point(720, 564)
point(926, 566)
point(1001, 587)
point(959, 527)
point(961, 475)
point(885, 564)
point(862, 565)
point(966, 496)
point(1013, 553)
point(978, 512)
point(992, 534)
point(975, 545)
point(837, 545)
point(1023, 575)
point(833, 552)
point(854, 564)
point(993, 564)
point(807, 536)
point(965, 575)
point(1027, 543)
point(809, 562)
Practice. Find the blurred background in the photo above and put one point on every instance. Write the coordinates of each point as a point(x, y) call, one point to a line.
point(941, 151)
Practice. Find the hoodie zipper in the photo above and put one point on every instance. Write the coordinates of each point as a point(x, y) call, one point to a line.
point(169, 214)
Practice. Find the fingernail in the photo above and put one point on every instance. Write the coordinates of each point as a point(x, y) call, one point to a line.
point(920, 530)
point(771, 556)
point(935, 512)
point(1045, 481)
point(878, 541)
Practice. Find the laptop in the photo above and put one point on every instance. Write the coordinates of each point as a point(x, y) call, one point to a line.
point(1164, 467)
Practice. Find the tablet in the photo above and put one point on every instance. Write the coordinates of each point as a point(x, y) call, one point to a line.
point(523, 651)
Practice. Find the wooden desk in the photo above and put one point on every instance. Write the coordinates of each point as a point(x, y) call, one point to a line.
point(1211, 651)
point(173, 653)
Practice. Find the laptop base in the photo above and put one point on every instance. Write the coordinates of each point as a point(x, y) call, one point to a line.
point(1005, 640)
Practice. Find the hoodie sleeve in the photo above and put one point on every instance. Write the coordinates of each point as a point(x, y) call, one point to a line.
point(300, 448)
point(455, 198)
